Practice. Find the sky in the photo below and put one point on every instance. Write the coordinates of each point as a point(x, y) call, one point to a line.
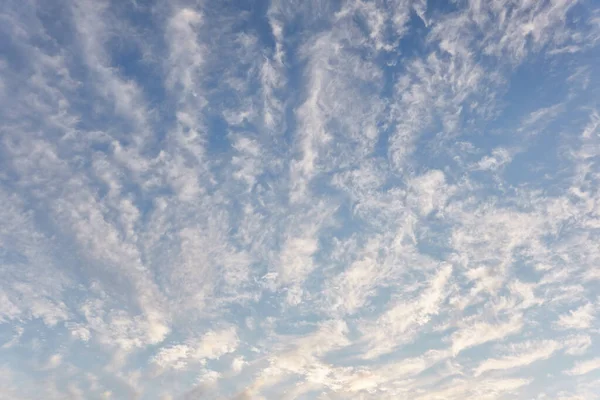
point(316, 199)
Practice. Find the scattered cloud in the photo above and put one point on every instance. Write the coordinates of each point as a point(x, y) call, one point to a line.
point(358, 199)
point(584, 367)
point(524, 354)
point(580, 318)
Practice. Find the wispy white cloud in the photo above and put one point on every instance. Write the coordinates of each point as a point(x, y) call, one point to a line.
point(355, 199)
point(584, 367)
point(580, 318)
point(495, 161)
point(483, 332)
point(211, 345)
point(577, 344)
point(524, 354)
point(400, 323)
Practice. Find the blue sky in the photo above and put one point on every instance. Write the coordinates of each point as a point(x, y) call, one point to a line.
point(299, 199)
